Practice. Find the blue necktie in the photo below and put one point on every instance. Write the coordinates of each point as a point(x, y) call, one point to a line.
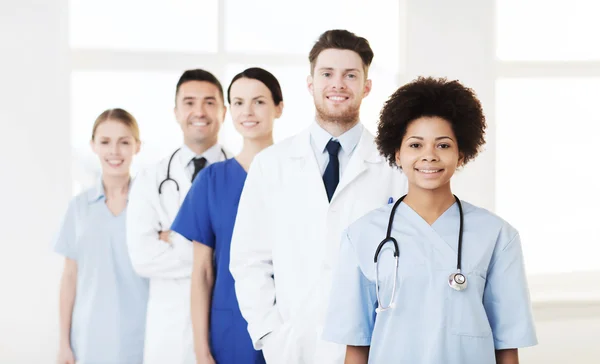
point(331, 177)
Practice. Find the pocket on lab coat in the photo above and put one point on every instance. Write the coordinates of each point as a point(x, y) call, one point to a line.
point(281, 346)
point(467, 313)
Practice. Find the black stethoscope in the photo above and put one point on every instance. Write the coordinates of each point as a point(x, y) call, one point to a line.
point(168, 178)
point(457, 281)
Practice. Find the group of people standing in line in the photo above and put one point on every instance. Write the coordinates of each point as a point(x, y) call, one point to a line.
point(273, 255)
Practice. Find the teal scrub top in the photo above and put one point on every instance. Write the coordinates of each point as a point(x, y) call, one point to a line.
point(109, 313)
point(431, 323)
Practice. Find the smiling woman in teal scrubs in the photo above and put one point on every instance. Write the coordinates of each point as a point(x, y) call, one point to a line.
point(429, 128)
point(207, 217)
point(102, 300)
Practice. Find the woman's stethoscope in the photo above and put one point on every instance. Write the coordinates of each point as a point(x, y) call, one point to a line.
point(168, 177)
point(457, 280)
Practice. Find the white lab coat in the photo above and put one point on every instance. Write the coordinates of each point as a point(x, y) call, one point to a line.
point(286, 227)
point(169, 337)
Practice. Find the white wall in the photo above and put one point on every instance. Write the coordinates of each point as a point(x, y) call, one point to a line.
point(568, 333)
point(35, 180)
point(454, 39)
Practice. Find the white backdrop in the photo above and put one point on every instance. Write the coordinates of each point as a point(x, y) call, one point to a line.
point(536, 72)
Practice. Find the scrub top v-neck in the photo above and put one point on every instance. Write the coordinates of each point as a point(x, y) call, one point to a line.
point(109, 313)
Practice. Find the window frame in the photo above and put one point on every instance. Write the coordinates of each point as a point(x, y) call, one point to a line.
point(549, 289)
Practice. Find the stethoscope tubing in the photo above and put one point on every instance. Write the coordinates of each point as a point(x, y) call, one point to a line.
point(456, 281)
point(168, 177)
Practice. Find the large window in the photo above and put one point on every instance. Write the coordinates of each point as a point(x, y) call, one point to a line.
point(542, 30)
point(130, 54)
point(546, 130)
point(548, 80)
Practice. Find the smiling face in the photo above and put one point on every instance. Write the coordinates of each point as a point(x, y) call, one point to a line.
point(338, 85)
point(200, 112)
point(115, 145)
point(429, 154)
point(252, 108)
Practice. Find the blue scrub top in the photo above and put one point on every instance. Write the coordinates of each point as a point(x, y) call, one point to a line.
point(431, 323)
point(109, 314)
point(207, 216)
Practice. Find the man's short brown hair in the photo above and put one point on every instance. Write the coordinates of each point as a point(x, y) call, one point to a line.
point(341, 39)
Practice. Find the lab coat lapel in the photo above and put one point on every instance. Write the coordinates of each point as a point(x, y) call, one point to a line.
point(182, 178)
point(443, 253)
point(365, 153)
point(308, 181)
point(175, 198)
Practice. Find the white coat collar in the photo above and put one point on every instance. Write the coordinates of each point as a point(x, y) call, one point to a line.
point(213, 154)
point(366, 154)
point(348, 141)
point(366, 149)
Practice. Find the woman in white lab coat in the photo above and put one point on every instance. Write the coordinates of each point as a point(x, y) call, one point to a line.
point(102, 300)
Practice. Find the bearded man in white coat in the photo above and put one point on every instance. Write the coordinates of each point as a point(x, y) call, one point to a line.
point(298, 197)
point(156, 195)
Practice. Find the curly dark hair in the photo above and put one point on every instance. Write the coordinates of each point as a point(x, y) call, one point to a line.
point(428, 96)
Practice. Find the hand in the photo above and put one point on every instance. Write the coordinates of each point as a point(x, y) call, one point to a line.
point(205, 358)
point(165, 236)
point(65, 356)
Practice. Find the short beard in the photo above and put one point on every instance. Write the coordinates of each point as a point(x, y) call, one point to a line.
point(198, 140)
point(350, 116)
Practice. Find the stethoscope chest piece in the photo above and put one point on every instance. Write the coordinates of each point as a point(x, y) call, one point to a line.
point(457, 281)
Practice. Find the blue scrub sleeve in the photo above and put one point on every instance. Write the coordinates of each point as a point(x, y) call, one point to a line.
point(193, 219)
point(351, 313)
point(65, 242)
point(506, 297)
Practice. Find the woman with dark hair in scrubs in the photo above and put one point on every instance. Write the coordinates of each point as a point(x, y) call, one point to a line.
point(207, 217)
point(452, 288)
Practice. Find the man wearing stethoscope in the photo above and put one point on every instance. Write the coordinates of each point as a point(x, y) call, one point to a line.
point(156, 195)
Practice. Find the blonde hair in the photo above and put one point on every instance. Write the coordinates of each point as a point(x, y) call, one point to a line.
point(119, 115)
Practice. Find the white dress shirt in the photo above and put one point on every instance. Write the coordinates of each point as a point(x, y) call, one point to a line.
point(213, 154)
point(319, 138)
